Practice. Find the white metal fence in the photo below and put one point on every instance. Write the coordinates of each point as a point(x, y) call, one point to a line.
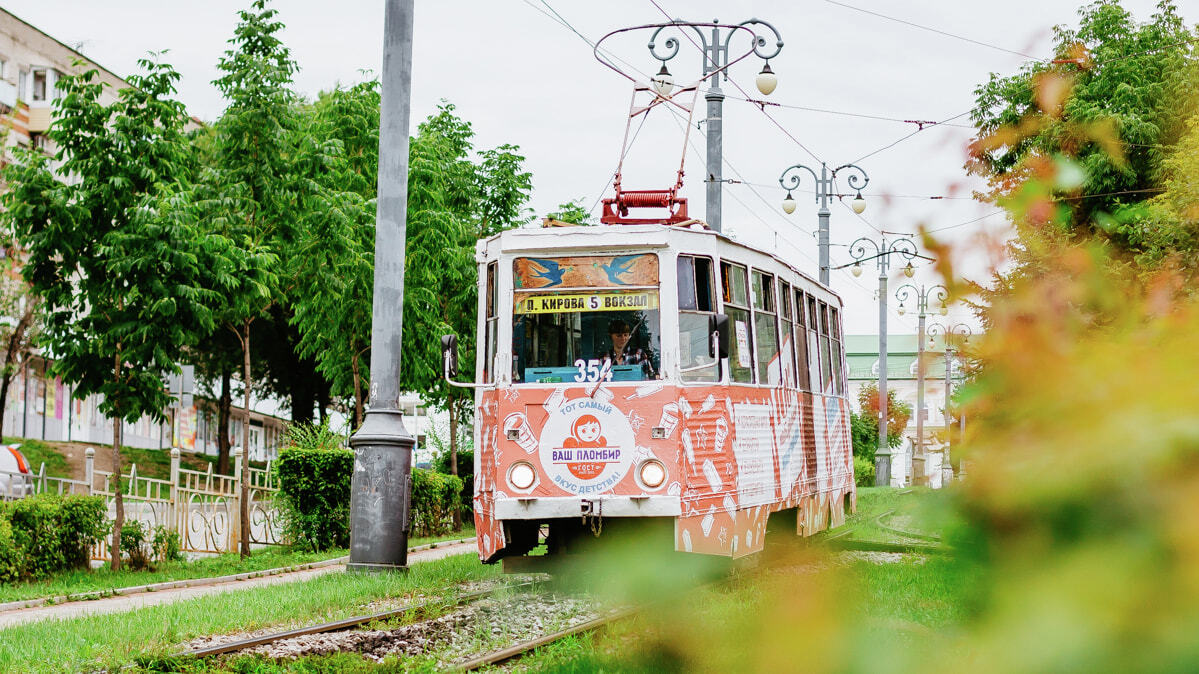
point(203, 507)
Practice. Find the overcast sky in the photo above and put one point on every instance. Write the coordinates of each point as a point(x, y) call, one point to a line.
point(520, 77)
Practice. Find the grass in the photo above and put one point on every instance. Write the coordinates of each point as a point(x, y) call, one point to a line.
point(906, 503)
point(151, 634)
point(104, 580)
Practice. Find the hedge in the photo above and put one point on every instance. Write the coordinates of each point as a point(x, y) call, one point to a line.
point(48, 533)
point(434, 498)
point(314, 497)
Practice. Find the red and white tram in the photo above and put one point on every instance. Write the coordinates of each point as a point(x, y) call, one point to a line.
point(599, 397)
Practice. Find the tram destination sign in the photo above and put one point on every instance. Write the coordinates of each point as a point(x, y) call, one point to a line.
point(579, 302)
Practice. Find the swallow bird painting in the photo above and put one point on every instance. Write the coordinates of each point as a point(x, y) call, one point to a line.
point(619, 266)
point(551, 271)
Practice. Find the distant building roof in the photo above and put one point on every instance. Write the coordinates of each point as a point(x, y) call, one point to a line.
point(861, 356)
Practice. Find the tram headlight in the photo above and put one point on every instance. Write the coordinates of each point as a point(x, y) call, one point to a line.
point(521, 475)
point(653, 473)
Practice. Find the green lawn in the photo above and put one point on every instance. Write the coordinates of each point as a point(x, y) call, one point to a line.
point(104, 580)
point(152, 633)
point(913, 510)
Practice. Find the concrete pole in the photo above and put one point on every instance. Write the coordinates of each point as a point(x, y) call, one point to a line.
point(882, 459)
point(823, 215)
point(919, 392)
point(714, 127)
point(946, 466)
point(379, 496)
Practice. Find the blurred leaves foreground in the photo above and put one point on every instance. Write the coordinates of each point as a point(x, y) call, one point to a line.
point(1076, 530)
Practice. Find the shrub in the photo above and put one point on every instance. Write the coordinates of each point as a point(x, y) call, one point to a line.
point(314, 495)
point(144, 547)
point(863, 471)
point(134, 547)
point(466, 471)
point(434, 497)
point(53, 533)
point(11, 562)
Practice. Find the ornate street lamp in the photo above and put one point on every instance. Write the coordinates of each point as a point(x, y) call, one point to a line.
point(903, 293)
point(790, 180)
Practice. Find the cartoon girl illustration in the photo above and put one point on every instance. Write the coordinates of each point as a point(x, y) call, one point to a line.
point(586, 432)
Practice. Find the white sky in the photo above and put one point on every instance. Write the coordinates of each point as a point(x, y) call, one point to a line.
point(521, 78)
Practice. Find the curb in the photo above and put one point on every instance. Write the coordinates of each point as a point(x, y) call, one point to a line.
point(191, 582)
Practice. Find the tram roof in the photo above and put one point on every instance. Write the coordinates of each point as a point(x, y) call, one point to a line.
point(696, 238)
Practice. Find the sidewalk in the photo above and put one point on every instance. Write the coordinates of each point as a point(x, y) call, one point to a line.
point(131, 602)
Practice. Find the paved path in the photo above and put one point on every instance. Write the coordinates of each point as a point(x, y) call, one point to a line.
point(136, 601)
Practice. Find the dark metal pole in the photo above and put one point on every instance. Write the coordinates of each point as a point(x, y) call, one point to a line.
point(379, 498)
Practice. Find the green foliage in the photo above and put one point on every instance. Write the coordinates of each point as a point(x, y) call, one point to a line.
point(863, 471)
point(314, 488)
point(53, 533)
point(466, 472)
point(1125, 80)
point(12, 562)
point(123, 282)
point(144, 547)
point(434, 498)
point(898, 414)
point(572, 212)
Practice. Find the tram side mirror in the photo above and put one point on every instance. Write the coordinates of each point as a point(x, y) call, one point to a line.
point(449, 354)
point(718, 347)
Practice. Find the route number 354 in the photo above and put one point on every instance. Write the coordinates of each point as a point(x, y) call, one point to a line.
point(590, 370)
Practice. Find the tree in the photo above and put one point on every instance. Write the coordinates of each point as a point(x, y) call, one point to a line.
point(1106, 99)
point(335, 257)
point(572, 212)
point(898, 414)
point(126, 284)
point(452, 201)
point(250, 195)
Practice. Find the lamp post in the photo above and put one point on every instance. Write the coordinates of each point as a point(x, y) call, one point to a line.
point(948, 334)
point(379, 497)
point(858, 180)
point(883, 250)
point(921, 294)
point(715, 46)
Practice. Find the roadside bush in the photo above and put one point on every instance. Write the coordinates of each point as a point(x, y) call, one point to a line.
point(434, 498)
point(314, 495)
point(143, 547)
point(10, 555)
point(863, 471)
point(466, 471)
point(53, 533)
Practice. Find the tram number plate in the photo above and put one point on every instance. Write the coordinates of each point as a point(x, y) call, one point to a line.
point(590, 370)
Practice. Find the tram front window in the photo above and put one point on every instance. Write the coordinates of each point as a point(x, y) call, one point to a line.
point(576, 343)
point(574, 318)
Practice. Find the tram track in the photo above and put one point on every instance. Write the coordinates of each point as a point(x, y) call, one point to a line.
point(350, 623)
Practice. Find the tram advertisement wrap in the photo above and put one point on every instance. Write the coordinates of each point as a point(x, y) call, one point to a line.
point(586, 446)
point(733, 455)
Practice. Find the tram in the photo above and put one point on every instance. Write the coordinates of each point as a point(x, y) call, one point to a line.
point(652, 370)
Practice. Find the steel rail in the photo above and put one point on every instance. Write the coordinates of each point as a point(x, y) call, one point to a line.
point(345, 623)
point(520, 649)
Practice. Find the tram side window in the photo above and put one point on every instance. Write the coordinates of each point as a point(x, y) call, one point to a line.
point(491, 326)
point(735, 291)
point(695, 306)
point(787, 348)
point(826, 364)
point(838, 362)
point(801, 343)
point(770, 370)
point(813, 344)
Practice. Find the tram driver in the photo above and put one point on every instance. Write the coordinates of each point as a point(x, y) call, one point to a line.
point(624, 353)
